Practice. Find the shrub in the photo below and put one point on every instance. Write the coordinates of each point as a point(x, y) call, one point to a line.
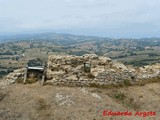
point(127, 83)
point(120, 96)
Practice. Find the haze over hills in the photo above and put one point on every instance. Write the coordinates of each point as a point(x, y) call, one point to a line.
point(47, 37)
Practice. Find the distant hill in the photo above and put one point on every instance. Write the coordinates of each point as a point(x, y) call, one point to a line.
point(136, 52)
point(63, 39)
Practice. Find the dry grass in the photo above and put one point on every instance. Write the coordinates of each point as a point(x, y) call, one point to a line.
point(41, 103)
point(148, 81)
point(33, 102)
point(2, 96)
point(127, 83)
point(123, 98)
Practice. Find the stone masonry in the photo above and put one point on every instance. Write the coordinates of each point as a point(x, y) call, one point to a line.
point(88, 70)
point(70, 70)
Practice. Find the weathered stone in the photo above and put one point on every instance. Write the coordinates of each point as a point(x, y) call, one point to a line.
point(104, 60)
point(69, 70)
point(72, 77)
point(120, 66)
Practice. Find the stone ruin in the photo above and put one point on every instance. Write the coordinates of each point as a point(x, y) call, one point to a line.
point(88, 70)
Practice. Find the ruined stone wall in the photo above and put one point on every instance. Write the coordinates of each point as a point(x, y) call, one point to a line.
point(13, 77)
point(149, 71)
point(69, 70)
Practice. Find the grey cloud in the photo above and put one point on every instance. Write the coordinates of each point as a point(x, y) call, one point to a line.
point(103, 16)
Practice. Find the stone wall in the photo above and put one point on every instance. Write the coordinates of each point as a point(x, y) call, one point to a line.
point(13, 77)
point(149, 71)
point(70, 71)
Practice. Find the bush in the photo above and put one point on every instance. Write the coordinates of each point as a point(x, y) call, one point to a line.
point(127, 83)
point(2, 73)
point(120, 96)
point(35, 62)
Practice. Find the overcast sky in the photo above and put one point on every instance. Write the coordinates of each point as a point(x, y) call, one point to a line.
point(109, 18)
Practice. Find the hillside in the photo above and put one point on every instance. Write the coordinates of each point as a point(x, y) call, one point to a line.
point(32, 102)
point(53, 102)
point(17, 50)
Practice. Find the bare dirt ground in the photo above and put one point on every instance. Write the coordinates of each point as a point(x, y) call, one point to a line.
point(35, 102)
